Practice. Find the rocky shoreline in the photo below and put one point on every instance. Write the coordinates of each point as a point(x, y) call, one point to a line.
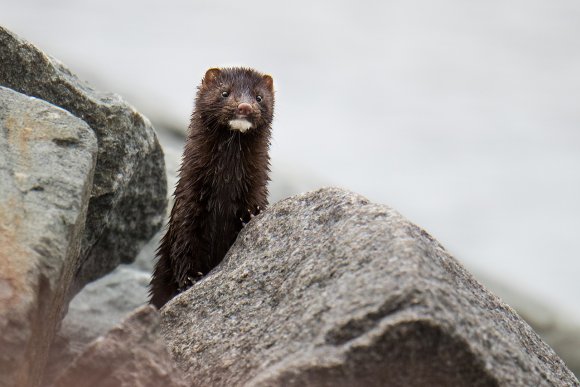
point(323, 288)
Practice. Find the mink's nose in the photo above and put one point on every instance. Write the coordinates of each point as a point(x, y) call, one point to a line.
point(244, 109)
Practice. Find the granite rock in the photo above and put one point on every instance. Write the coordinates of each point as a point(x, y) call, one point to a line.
point(128, 197)
point(554, 326)
point(327, 289)
point(47, 161)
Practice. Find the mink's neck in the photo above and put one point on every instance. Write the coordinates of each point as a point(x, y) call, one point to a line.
point(220, 160)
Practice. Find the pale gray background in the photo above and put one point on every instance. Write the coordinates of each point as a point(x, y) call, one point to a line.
point(462, 115)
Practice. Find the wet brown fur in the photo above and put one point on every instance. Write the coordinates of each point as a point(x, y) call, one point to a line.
point(224, 174)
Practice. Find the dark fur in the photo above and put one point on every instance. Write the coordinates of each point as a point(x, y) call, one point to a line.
point(223, 175)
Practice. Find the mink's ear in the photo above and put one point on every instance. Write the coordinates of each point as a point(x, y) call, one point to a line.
point(269, 82)
point(211, 75)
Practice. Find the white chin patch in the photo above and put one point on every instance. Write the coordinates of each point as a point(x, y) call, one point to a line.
point(240, 124)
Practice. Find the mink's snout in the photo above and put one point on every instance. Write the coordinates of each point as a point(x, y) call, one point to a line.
point(244, 109)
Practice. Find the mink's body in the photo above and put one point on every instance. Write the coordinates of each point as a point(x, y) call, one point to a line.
point(223, 177)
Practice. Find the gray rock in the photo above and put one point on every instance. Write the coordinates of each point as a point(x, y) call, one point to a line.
point(554, 327)
point(328, 289)
point(99, 307)
point(132, 354)
point(47, 161)
point(129, 193)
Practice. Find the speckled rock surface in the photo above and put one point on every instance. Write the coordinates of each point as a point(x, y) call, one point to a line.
point(47, 160)
point(327, 289)
point(130, 355)
point(554, 326)
point(128, 197)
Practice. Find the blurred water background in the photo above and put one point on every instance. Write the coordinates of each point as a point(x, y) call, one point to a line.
point(464, 116)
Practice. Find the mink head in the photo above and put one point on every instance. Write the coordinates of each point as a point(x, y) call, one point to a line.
point(238, 99)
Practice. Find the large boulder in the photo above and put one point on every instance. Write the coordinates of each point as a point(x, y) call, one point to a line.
point(47, 160)
point(128, 197)
point(327, 289)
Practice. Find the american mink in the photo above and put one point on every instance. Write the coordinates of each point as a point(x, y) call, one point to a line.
point(222, 179)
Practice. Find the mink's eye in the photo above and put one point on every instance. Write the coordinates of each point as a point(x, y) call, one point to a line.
point(259, 98)
point(225, 94)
